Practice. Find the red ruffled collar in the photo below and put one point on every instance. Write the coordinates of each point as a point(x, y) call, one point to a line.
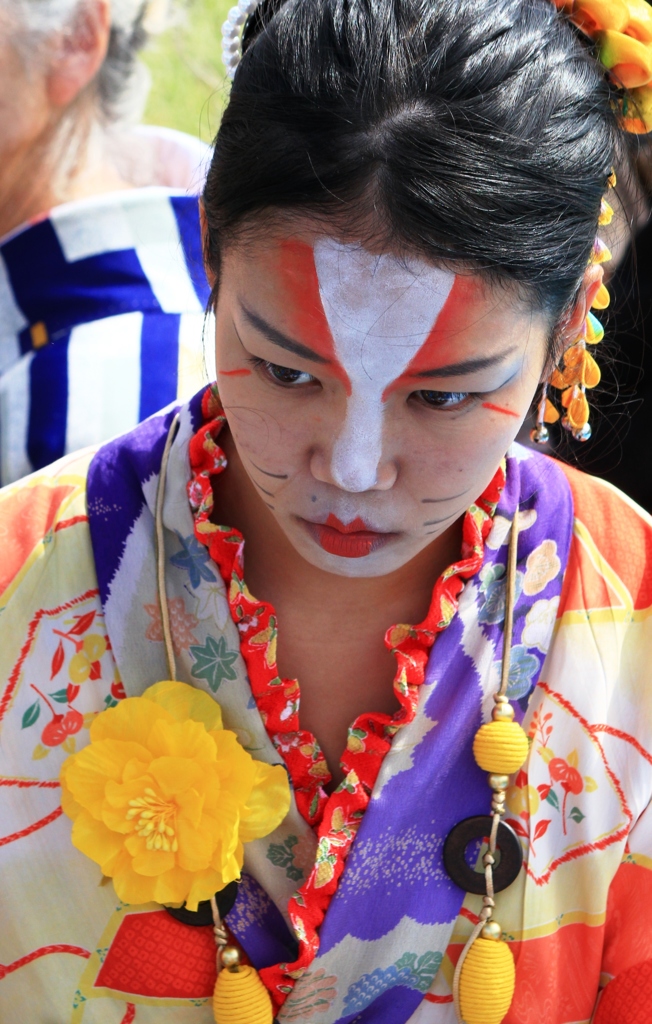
point(337, 817)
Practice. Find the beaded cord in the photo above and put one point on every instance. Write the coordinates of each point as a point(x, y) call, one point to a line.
point(500, 965)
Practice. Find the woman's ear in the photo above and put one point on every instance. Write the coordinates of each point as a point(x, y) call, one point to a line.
point(573, 323)
point(204, 243)
point(77, 53)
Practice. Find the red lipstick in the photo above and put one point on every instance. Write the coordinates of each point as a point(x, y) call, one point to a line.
point(348, 540)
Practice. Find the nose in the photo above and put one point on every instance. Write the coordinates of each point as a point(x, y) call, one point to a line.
point(356, 461)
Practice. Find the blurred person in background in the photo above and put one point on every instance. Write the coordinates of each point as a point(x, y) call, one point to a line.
point(102, 289)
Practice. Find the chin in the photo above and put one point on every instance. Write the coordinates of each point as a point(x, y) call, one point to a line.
point(379, 563)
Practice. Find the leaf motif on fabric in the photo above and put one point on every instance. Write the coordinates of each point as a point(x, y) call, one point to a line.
point(194, 559)
point(315, 995)
point(407, 971)
point(282, 856)
point(31, 715)
point(213, 662)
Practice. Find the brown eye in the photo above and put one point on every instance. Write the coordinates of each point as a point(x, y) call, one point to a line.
point(286, 375)
point(443, 399)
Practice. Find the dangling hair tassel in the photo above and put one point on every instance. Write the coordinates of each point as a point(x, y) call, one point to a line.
point(546, 413)
point(579, 370)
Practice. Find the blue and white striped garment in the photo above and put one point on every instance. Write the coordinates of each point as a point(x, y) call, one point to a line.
point(101, 320)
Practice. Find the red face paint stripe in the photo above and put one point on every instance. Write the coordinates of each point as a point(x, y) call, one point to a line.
point(459, 312)
point(235, 373)
point(499, 408)
point(308, 321)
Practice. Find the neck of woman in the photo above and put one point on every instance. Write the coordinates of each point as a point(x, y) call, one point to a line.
point(72, 159)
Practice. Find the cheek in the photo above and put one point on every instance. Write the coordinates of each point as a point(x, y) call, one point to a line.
point(262, 428)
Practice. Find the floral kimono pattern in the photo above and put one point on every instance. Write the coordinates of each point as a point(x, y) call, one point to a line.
point(81, 627)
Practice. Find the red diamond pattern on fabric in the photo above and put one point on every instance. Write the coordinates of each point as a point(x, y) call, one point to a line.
point(628, 998)
point(154, 955)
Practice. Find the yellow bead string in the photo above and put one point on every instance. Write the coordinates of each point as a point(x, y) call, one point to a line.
point(578, 370)
point(483, 984)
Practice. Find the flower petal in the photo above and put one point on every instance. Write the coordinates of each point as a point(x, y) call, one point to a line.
point(153, 862)
point(267, 804)
point(133, 888)
point(205, 884)
point(182, 739)
point(191, 805)
point(196, 846)
point(183, 702)
point(176, 775)
point(95, 840)
point(173, 886)
point(131, 719)
point(89, 771)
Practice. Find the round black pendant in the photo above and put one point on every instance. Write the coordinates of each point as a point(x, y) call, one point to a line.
point(203, 915)
point(476, 829)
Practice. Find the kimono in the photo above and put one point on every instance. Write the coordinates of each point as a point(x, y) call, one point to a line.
point(101, 313)
point(352, 887)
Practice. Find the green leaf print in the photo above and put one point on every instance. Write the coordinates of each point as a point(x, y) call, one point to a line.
point(213, 662)
point(32, 713)
point(282, 856)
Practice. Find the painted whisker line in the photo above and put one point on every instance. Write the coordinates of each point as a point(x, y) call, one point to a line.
point(269, 506)
point(436, 501)
point(277, 476)
point(433, 522)
point(268, 493)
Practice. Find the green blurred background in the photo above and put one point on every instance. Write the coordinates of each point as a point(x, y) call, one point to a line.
point(189, 86)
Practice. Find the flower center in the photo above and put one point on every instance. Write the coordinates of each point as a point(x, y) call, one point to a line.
point(155, 821)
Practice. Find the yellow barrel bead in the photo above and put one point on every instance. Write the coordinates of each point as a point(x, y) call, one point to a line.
point(241, 998)
point(500, 747)
point(487, 982)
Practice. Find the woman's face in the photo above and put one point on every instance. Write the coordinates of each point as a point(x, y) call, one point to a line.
point(370, 397)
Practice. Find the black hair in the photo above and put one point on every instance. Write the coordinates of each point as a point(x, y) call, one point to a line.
point(474, 132)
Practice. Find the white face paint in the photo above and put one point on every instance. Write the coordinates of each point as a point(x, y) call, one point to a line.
point(323, 355)
point(380, 311)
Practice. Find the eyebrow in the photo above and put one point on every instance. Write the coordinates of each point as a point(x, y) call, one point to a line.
point(466, 367)
point(278, 338)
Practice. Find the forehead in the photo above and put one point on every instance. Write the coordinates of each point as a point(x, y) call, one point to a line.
point(383, 295)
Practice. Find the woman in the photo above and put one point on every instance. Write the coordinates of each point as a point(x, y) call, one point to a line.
point(399, 227)
point(101, 284)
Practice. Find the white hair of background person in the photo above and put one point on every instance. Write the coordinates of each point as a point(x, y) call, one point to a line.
point(123, 81)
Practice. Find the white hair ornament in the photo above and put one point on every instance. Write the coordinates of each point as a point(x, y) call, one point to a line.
point(231, 34)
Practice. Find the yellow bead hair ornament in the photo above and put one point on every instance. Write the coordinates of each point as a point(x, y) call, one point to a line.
point(485, 975)
point(622, 33)
point(578, 370)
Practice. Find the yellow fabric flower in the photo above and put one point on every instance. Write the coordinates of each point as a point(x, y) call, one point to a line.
point(163, 797)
